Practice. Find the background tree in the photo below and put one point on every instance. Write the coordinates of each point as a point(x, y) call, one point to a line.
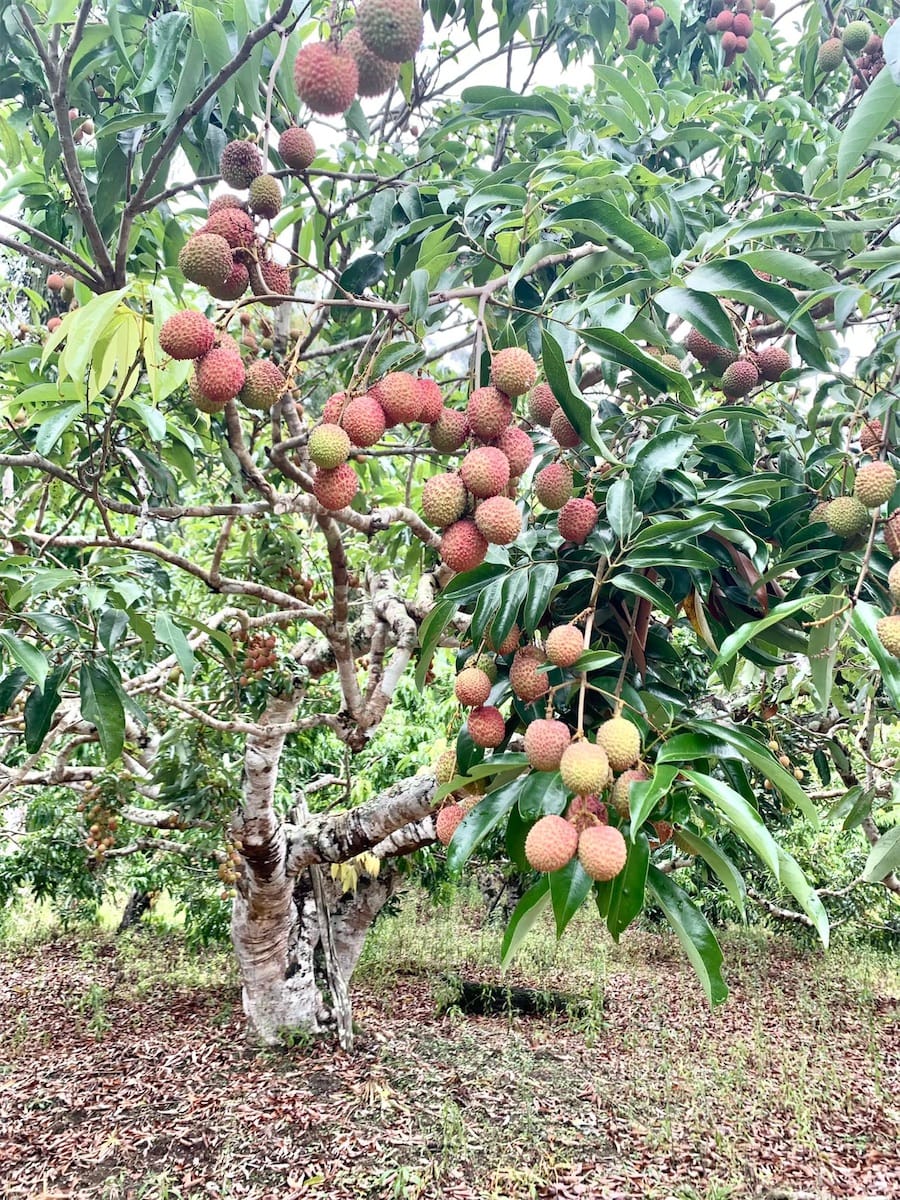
point(208, 582)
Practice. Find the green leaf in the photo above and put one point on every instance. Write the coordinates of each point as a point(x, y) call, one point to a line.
point(468, 585)
point(30, 659)
point(823, 647)
point(693, 932)
point(541, 579)
point(542, 792)
point(663, 452)
point(863, 621)
point(171, 635)
point(620, 508)
point(40, 707)
point(884, 857)
point(704, 312)
point(626, 899)
point(742, 817)
point(54, 426)
point(477, 824)
point(430, 633)
point(101, 705)
point(640, 585)
point(785, 265)
point(526, 914)
point(876, 107)
point(418, 294)
point(606, 224)
point(644, 797)
point(568, 890)
point(721, 864)
point(735, 641)
point(792, 877)
point(570, 398)
point(10, 686)
point(615, 347)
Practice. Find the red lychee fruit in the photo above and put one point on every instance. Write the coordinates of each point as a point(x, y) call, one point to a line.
point(449, 431)
point(240, 164)
point(553, 485)
point(486, 726)
point(526, 681)
point(657, 15)
point(263, 386)
point(223, 201)
point(488, 412)
point(485, 471)
point(621, 789)
point(432, 401)
point(376, 75)
point(739, 379)
point(472, 687)
point(772, 363)
point(513, 371)
point(729, 42)
point(336, 488)
point(297, 148)
point(516, 445)
point(235, 285)
point(724, 20)
point(602, 852)
point(871, 435)
point(509, 643)
point(234, 225)
point(701, 347)
point(463, 546)
point(447, 821)
point(545, 741)
point(585, 811)
point(577, 519)
point(220, 375)
point(334, 408)
point(443, 499)
point(400, 397)
point(499, 520)
point(325, 78)
point(187, 334)
point(364, 421)
point(564, 431)
point(551, 843)
point(564, 645)
point(742, 26)
point(639, 26)
point(542, 404)
point(56, 283)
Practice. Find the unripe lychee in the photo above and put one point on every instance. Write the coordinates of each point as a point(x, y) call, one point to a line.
point(772, 363)
point(499, 520)
point(551, 843)
point(871, 435)
point(432, 401)
point(297, 148)
point(831, 55)
point(846, 516)
point(447, 822)
point(856, 35)
point(463, 546)
point(891, 531)
point(449, 431)
point(509, 643)
point(484, 662)
point(445, 767)
point(220, 375)
point(187, 334)
point(545, 741)
point(392, 29)
point(443, 499)
point(325, 78)
point(264, 196)
point(525, 680)
point(398, 394)
point(513, 371)
point(240, 164)
point(562, 429)
point(577, 519)
point(263, 386)
point(740, 378)
point(364, 421)
point(486, 726)
point(516, 445)
point(875, 484)
point(235, 284)
point(329, 446)
point(564, 645)
point(472, 687)
point(205, 259)
point(485, 471)
point(585, 811)
point(584, 768)
point(376, 75)
point(553, 485)
point(542, 404)
point(602, 852)
point(488, 412)
point(622, 742)
point(888, 630)
point(893, 580)
point(336, 488)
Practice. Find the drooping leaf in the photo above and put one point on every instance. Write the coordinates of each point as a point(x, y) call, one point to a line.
point(693, 932)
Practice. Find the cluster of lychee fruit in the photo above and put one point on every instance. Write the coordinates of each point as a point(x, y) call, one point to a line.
point(328, 76)
point(259, 655)
point(739, 373)
point(102, 822)
point(229, 869)
point(644, 21)
point(856, 38)
point(732, 21)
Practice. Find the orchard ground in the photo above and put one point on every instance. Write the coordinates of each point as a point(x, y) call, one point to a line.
point(125, 1072)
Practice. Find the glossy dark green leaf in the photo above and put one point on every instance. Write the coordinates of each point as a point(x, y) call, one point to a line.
point(430, 633)
point(10, 686)
point(719, 862)
point(568, 890)
point(605, 224)
point(616, 348)
point(477, 824)
point(693, 932)
point(743, 819)
point(171, 635)
point(644, 797)
point(541, 579)
point(101, 705)
point(620, 508)
point(884, 857)
point(362, 273)
point(542, 793)
point(571, 400)
point(781, 612)
point(468, 585)
point(640, 585)
point(863, 621)
point(626, 899)
point(879, 103)
point(701, 310)
point(525, 916)
point(40, 707)
point(662, 453)
point(32, 661)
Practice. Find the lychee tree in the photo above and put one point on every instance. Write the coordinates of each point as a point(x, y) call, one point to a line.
point(553, 376)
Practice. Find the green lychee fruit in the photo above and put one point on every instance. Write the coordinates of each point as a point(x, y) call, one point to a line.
point(846, 516)
point(830, 56)
point(888, 630)
point(855, 36)
point(206, 259)
point(264, 197)
point(329, 446)
point(875, 483)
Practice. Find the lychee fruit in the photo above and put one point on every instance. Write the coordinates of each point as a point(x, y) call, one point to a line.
point(856, 35)
point(871, 435)
point(888, 630)
point(264, 197)
point(445, 767)
point(584, 768)
point(56, 283)
point(553, 485)
point(509, 643)
point(223, 201)
point(263, 385)
point(893, 580)
point(545, 741)
point(621, 789)
point(485, 471)
point(577, 519)
point(542, 404)
point(831, 55)
point(376, 75)
point(400, 397)
point(449, 432)
point(513, 371)
point(499, 520)
point(325, 78)
point(334, 408)
point(432, 401)
point(272, 279)
point(891, 532)
point(488, 412)
point(622, 742)
point(329, 446)
point(875, 483)
point(743, 25)
point(206, 259)
point(702, 348)
point(562, 429)
point(724, 20)
point(235, 284)
point(364, 421)
point(472, 687)
point(240, 164)
point(443, 499)
point(484, 662)
point(551, 843)
point(564, 645)
point(525, 680)
point(187, 334)
point(234, 225)
point(220, 375)
point(847, 516)
point(516, 445)
point(486, 726)
point(463, 546)
point(639, 26)
point(199, 400)
point(447, 822)
point(740, 378)
point(585, 811)
point(657, 15)
point(297, 148)
point(602, 852)
point(772, 363)
point(392, 29)
point(335, 488)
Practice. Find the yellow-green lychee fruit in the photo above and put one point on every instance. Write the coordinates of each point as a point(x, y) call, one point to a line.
point(551, 843)
point(846, 516)
point(329, 446)
point(856, 35)
point(875, 483)
point(888, 630)
point(894, 584)
point(584, 768)
point(445, 767)
point(622, 742)
point(602, 852)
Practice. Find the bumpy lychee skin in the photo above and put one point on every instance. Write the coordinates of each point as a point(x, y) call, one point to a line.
point(875, 484)
point(564, 645)
point(888, 630)
point(399, 395)
point(223, 201)
point(220, 375)
point(376, 75)
point(485, 471)
point(487, 728)
point(463, 546)
point(264, 197)
point(234, 286)
point(542, 404)
point(472, 687)
point(484, 662)
point(443, 499)
point(525, 680)
point(488, 412)
point(772, 363)
point(392, 29)
point(432, 400)
point(584, 768)
point(205, 259)
point(234, 225)
point(499, 520)
point(516, 445)
point(743, 25)
point(855, 36)
point(846, 516)
point(447, 822)
point(585, 811)
point(240, 164)
point(199, 400)
point(545, 741)
point(329, 446)
point(297, 148)
point(264, 385)
point(551, 844)
point(187, 334)
point(553, 485)
point(325, 78)
point(564, 431)
point(894, 584)
point(363, 419)
point(449, 432)
point(891, 531)
point(701, 347)
point(622, 742)
point(445, 767)
point(577, 519)
point(513, 371)
point(336, 488)
point(740, 378)
point(602, 852)
point(335, 407)
point(830, 56)
point(871, 435)
point(271, 279)
point(509, 643)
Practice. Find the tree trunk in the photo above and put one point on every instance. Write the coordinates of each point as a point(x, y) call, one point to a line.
point(138, 904)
